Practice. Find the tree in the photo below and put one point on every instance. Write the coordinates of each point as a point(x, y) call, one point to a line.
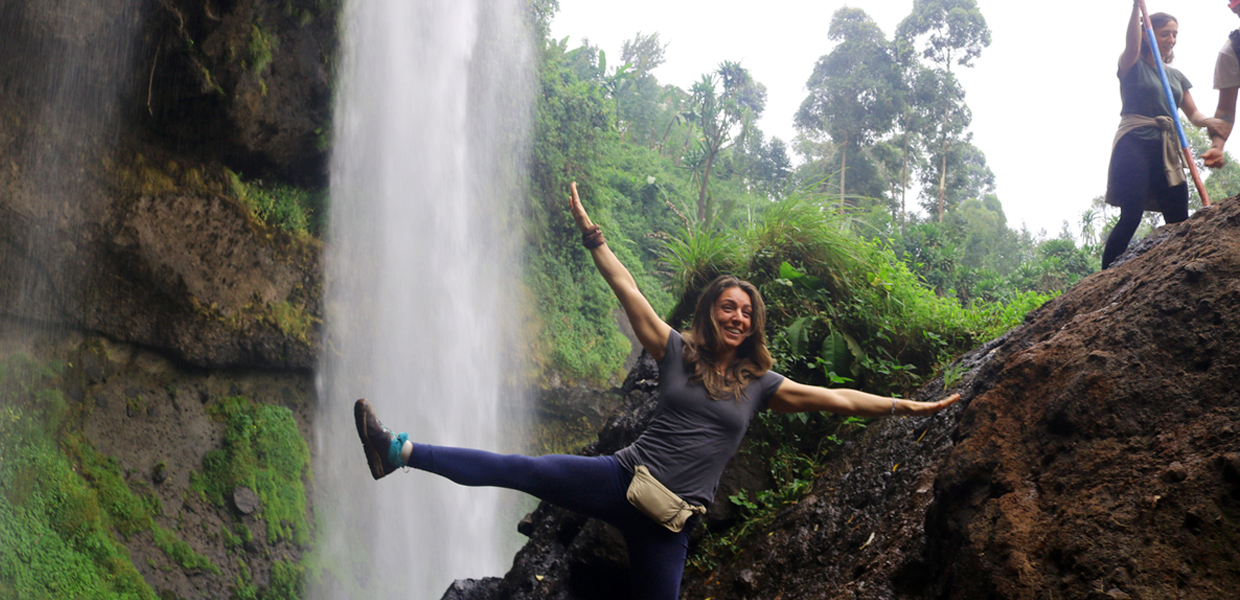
point(854, 91)
point(725, 104)
point(962, 174)
point(640, 106)
point(946, 33)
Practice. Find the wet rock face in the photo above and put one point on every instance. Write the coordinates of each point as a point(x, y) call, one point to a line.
point(194, 276)
point(118, 123)
point(1095, 455)
point(243, 81)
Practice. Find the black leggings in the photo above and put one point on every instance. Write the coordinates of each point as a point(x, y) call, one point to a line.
point(591, 485)
point(1136, 176)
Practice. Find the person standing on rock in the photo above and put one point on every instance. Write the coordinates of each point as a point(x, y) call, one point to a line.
point(1146, 172)
point(1227, 82)
point(712, 380)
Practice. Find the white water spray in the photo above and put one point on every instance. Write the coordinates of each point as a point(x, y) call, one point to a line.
point(422, 308)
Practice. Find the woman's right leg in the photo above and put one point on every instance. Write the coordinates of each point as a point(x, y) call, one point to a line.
point(591, 485)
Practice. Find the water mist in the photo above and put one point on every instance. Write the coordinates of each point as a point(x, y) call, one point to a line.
point(423, 310)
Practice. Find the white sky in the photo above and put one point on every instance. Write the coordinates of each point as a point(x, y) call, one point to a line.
point(1044, 95)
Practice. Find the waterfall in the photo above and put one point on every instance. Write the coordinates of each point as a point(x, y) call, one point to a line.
point(422, 288)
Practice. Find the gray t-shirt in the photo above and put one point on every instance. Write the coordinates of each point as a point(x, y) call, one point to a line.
point(691, 437)
point(1227, 68)
point(1141, 91)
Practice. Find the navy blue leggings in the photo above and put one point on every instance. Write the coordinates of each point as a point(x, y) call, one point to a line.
point(591, 485)
point(1136, 175)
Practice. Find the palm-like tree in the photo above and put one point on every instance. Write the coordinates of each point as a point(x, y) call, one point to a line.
point(1089, 221)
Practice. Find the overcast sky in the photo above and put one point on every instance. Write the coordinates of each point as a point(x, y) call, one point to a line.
point(1044, 95)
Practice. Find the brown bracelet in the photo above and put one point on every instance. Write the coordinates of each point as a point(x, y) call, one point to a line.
point(593, 238)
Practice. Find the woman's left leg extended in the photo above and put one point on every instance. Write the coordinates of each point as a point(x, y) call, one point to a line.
point(591, 485)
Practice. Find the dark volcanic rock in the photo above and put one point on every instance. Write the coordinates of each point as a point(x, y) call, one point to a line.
point(1094, 456)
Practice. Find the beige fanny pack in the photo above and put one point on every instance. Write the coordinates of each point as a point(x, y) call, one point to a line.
point(658, 502)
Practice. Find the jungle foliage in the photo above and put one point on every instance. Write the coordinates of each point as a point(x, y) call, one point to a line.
point(685, 185)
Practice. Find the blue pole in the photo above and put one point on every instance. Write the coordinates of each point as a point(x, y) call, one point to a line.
point(1175, 117)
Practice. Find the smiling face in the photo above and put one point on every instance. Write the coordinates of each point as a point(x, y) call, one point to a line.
point(1166, 38)
point(733, 313)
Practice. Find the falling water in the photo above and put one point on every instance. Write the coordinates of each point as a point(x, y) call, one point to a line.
point(422, 299)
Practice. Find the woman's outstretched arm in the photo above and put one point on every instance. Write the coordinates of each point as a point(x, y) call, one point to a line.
point(651, 331)
point(793, 397)
point(1214, 125)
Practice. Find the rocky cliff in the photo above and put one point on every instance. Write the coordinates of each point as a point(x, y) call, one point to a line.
point(1096, 454)
point(153, 330)
point(125, 131)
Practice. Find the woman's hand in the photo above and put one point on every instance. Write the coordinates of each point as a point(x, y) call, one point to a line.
point(909, 408)
point(579, 212)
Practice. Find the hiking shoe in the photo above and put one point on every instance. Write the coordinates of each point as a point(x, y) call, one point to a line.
point(382, 447)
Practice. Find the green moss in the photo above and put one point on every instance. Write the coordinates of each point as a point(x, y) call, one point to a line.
point(293, 320)
point(55, 524)
point(286, 581)
point(261, 48)
point(129, 512)
point(180, 552)
point(262, 450)
point(136, 405)
point(299, 211)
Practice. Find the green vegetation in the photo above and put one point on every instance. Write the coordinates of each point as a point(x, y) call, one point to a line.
point(292, 209)
point(57, 517)
point(293, 320)
point(261, 47)
point(286, 582)
point(864, 289)
point(63, 504)
point(685, 186)
point(180, 552)
point(264, 451)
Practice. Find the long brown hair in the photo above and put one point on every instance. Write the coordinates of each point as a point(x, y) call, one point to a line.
point(702, 343)
point(1157, 20)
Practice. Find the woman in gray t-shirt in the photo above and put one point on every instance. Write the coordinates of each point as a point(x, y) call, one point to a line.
point(712, 380)
point(1145, 172)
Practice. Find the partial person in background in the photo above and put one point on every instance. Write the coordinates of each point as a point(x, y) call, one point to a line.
point(1227, 82)
point(1147, 170)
